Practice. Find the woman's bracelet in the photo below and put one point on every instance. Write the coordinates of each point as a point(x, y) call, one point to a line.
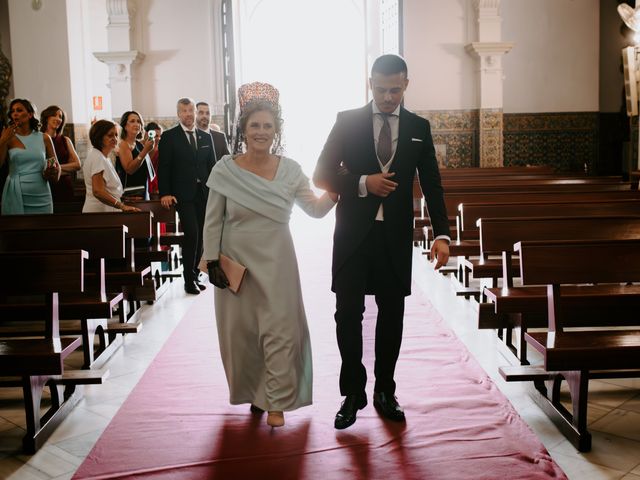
point(115, 204)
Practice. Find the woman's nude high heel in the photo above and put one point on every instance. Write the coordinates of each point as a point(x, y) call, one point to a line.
point(275, 418)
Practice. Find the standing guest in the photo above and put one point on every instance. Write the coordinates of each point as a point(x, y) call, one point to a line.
point(263, 333)
point(203, 122)
point(370, 159)
point(104, 188)
point(132, 160)
point(186, 158)
point(53, 120)
point(153, 182)
point(32, 162)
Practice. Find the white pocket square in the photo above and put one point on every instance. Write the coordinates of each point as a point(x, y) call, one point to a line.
point(205, 146)
point(416, 139)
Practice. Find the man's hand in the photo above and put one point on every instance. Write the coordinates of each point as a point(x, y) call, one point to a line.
point(167, 201)
point(380, 185)
point(440, 253)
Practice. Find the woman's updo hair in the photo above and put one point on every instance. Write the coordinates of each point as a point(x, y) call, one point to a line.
point(259, 105)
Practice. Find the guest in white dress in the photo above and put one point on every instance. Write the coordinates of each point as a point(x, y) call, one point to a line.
point(103, 186)
point(262, 330)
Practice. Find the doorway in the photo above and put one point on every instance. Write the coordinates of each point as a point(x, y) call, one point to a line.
point(314, 52)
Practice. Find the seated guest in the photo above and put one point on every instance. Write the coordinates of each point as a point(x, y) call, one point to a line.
point(153, 182)
point(104, 189)
point(132, 160)
point(32, 162)
point(53, 120)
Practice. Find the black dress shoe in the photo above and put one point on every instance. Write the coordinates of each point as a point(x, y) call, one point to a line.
point(256, 410)
point(201, 286)
point(387, 405)
point(346, 416)
point(190, 287)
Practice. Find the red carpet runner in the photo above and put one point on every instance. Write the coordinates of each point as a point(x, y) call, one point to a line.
point(177, 423)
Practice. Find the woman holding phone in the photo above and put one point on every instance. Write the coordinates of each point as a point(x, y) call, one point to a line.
point(132, 156)
point(32, 162)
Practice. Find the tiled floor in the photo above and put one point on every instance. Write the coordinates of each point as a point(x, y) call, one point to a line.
point(614, 404)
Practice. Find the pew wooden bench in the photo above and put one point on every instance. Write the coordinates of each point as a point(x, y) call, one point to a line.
point(470, 214)
point(576, 355)
point(95, 306)
point(38, 362)
point(140, 227)
point(525, 307)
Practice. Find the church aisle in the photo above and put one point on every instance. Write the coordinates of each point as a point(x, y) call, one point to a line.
point(177, 422)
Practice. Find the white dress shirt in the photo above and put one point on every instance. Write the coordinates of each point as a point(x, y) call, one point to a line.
point(185, 130)
point(394, 123)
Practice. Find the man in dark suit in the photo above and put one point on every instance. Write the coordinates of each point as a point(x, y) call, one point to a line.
point(203, 122)
point(370, 159)
point(186, 156)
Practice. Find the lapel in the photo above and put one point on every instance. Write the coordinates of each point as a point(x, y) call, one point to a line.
point(367, 143)
point(184, 141)
point(200, 139)
point(404, 138)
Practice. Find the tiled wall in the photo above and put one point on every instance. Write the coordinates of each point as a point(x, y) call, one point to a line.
point(568, 141)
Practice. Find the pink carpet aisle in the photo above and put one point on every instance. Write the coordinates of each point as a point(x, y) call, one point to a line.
point(177, 423)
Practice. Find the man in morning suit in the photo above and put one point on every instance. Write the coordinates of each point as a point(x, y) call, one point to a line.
point(186, 156)
point(203, 122)
point(370, 159)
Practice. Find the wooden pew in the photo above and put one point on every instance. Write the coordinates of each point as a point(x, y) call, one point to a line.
point(38, 362)
point(538, 186)
point(525, 307)
point(469, 232)
point(577, 355)
point(165, 245)
point(139, 225)
point(94, 307)
point(491, 171)
point(454, 199)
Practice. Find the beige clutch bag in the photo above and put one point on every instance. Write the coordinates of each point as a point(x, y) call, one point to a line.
point(234, 271)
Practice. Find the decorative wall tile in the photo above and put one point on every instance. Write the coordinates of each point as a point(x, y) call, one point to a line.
point(455, 136)
point(567, 141)
point(491, 148)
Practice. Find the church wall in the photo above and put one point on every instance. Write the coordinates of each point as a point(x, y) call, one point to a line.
point(551, 79)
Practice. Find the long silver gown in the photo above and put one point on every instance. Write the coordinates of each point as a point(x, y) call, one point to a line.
point(262, 330)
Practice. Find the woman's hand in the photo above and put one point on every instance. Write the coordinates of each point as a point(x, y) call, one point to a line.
point(216, 275)
point(7, 135)
point(147, 145)
point(129, 208)
point(52, 171)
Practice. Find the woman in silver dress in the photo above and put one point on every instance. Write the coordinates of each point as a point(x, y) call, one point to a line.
point(262, 330)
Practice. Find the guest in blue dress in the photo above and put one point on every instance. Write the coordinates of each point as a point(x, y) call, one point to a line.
point(32, 162)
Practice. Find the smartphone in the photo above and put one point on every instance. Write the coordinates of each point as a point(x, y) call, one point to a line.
point(151, 134)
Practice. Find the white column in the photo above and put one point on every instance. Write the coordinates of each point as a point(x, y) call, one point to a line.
point(217, 100)
point(490, 49)
point(121, 56)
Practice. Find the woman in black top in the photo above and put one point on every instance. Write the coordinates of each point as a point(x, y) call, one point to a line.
point(132, 157)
